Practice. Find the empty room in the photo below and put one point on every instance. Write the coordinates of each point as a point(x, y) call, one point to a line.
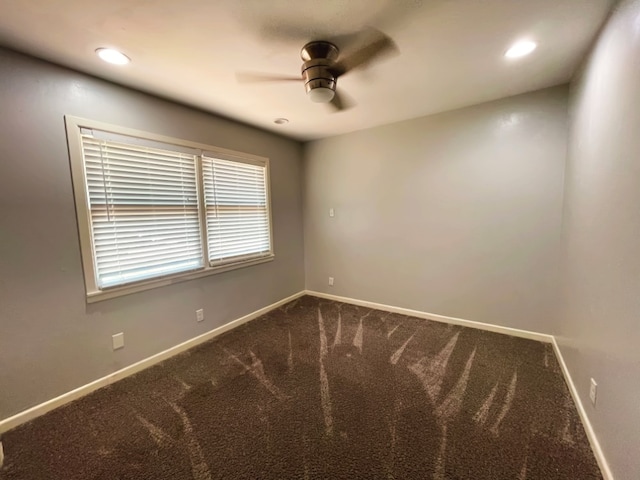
point(294, 239)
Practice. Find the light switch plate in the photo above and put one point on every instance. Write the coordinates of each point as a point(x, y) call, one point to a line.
point(593, 392)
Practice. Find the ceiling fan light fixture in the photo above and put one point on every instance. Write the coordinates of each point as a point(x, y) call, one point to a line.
point(521, 49)
point(110, 55)
point(321, 94)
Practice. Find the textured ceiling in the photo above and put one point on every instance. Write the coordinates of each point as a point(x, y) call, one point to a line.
point(450, 51)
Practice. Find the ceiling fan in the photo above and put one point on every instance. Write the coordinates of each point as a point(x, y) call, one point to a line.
point(323, 66)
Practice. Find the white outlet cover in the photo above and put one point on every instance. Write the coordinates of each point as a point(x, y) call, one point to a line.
point(330, 281)
point(331, 212)
point(118, 341)
point(200, 315)
point(593, 391)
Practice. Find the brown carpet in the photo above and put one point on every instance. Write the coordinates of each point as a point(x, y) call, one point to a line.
point(322, 390)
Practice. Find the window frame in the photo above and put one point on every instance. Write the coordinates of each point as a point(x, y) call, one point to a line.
point(74, 126)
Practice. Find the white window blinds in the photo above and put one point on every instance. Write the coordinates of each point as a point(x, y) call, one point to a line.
point(236, 210)
point(143, 206)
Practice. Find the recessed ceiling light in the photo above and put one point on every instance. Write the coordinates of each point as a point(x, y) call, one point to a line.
point(281, 121)
point(520, 49)
point(113, 56)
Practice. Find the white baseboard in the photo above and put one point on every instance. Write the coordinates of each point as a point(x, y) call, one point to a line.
point(591, 435)
point(38, 410)
point(515, 332)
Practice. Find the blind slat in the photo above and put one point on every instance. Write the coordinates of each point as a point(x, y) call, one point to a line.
point(112, 265)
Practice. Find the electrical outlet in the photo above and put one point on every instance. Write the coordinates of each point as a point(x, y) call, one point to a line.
point(118, 341)
point(332, 213)
point(200, 315)
point(593, 392)
point(331, 281)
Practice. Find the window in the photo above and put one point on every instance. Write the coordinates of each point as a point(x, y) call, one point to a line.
point(153, 210)
point(235, 197)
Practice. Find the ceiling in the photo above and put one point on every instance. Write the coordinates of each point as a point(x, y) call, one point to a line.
point(450, 51)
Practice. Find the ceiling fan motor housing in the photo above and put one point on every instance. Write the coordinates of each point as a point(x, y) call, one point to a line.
point(319, 58)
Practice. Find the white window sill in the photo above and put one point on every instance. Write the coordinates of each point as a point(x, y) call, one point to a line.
point(114, 292)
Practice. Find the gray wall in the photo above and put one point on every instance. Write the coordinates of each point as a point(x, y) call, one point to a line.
point(51, 341)
point(457, 214)
point(599, 328)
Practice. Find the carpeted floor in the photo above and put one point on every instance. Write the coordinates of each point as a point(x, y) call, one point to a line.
point(322, 390)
